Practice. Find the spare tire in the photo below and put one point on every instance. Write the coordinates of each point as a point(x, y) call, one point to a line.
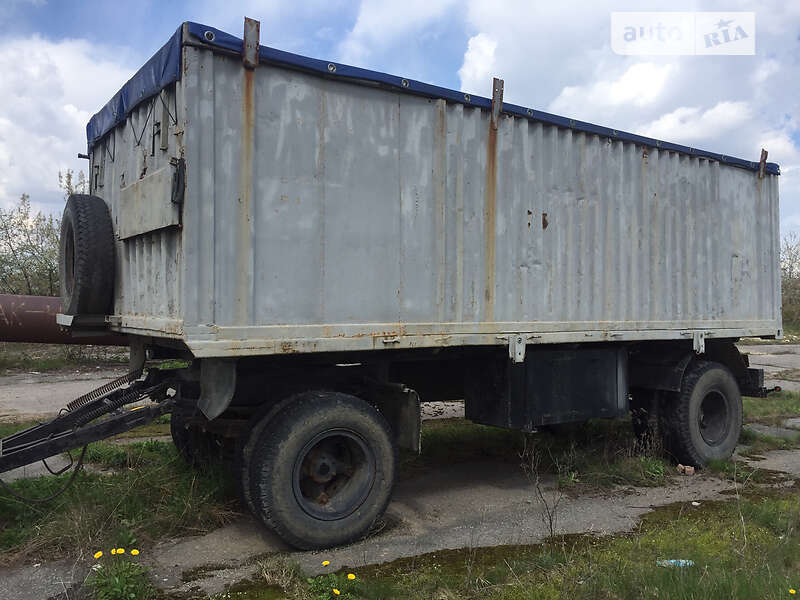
point(86, 256)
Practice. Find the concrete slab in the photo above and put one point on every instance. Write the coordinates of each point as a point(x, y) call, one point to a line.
point(442, 410)
point(428, 514)
point(793, 423)
point(786, 461)
point(785, 384)
point(778, 432)
point(33, 396)
point(783, 361)
point(50, 581)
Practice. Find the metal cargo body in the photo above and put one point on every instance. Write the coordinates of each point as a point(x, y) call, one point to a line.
point(281, 209)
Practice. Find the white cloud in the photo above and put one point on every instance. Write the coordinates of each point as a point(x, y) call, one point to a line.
point(50, 90)
point(380, 23)
point(479, 64)
point(640, 85)
point(690, 124)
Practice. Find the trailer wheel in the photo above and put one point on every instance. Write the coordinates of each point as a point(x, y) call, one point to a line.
point(86, 256)
point(245, 446)
point(322, 470)
point(704, 419)
point(197, 447)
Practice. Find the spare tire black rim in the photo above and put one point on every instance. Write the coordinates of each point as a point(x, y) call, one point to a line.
point(333, 474)
point(713, 418)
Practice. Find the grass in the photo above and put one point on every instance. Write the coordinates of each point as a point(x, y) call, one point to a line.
point(7, 429)
point(758, 443)
point(773, 409)
point(23, 357)
point(597, 454)
point(748, 547)
point(150, 494)
point(157, 428)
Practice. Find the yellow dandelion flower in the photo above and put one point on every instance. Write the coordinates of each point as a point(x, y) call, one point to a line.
point(113, 551)
point(792, 591)
point(120, 550)
point(135, 552)
point(98, 554)
point(336, 592)
point(351, 576)
point(325, 563)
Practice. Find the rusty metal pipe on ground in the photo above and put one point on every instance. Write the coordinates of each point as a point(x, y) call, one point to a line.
point(33, 319)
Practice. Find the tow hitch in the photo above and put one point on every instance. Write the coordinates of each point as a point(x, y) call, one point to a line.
point(82, 420)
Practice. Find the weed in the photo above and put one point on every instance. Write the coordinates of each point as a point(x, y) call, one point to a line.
point(150, 494)
point(118, 578)
point(531, 458)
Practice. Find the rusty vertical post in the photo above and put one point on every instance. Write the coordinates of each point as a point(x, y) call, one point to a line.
point(490, 209)
point(244, 255)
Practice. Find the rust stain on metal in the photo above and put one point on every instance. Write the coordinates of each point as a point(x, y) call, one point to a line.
point(490, 208)
point(244, 250)
point(287, 348)
point(440, 191)
point(545, 222)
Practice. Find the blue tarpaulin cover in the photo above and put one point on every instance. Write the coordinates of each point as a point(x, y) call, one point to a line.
point(164, 69)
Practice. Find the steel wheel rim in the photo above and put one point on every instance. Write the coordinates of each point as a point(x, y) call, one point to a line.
point(333, 474)
point(713, 418)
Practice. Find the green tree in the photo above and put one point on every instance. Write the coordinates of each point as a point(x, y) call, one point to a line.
point(29, 243)
point(790, 280)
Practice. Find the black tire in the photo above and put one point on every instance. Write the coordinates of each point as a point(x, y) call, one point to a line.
point(245, 446)
point(322, 470)
point(704, 420)
point(197, 447)
point(86, 256)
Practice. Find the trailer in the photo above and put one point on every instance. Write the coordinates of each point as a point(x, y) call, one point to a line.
point(329, 246)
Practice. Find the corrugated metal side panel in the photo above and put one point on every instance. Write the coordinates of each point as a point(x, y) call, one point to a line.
point(148, 279)
point(371, 207)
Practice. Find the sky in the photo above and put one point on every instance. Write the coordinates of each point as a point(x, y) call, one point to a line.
point(62, 60)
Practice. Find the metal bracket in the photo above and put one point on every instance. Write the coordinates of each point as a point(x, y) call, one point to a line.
point(497, 100)
point(252, 32)
point(516, 345)
point(698, 340)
